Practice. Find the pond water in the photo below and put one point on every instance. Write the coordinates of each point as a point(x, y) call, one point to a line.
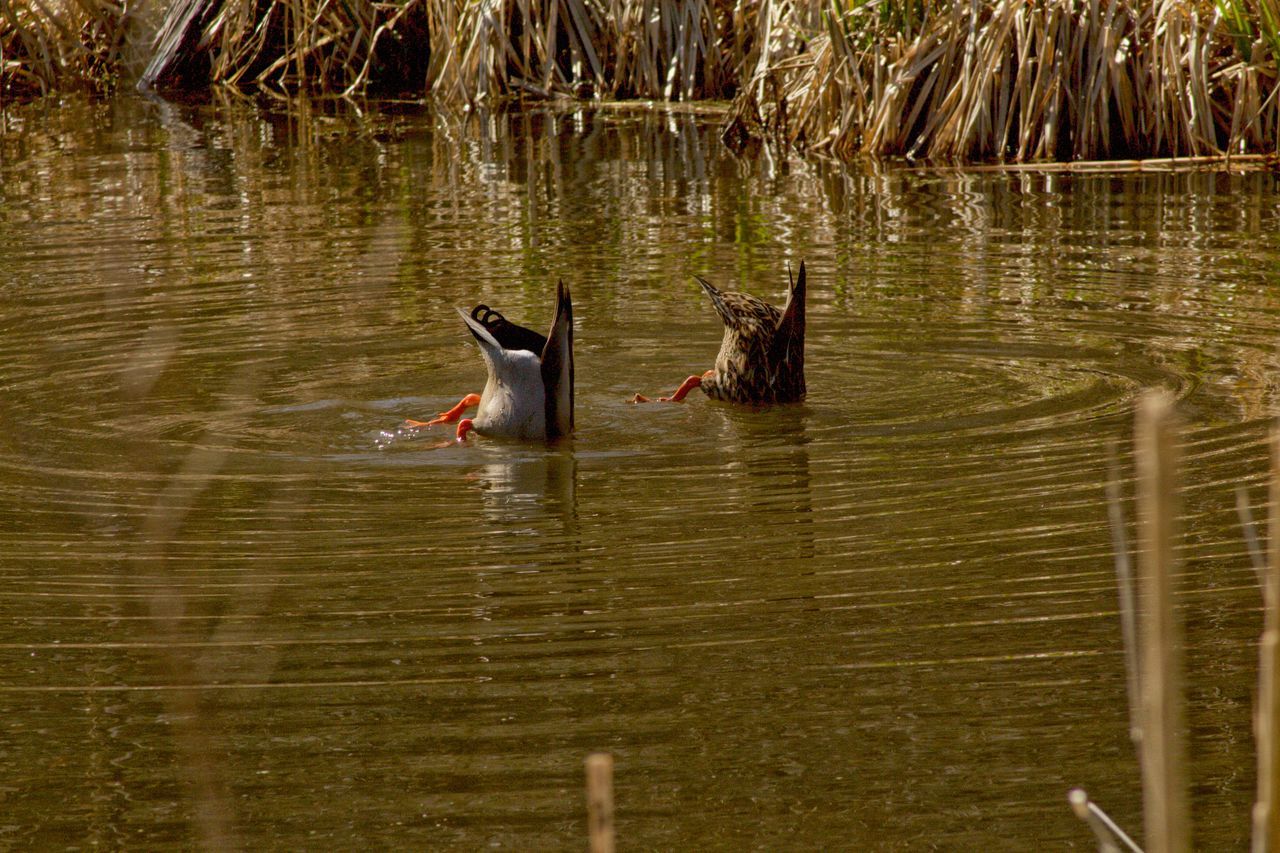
point(240, 605)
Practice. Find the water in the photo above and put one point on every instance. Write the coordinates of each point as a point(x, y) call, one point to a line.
point(241, 605)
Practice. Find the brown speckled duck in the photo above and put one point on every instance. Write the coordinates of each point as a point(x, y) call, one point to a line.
point(761, 358)
point(529, 393)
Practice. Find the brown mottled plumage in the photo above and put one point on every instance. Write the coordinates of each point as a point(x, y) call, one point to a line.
point(761, 358)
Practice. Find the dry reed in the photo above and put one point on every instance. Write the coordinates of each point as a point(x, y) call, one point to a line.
point(1009, 80)
point(1002, 80)
point(74, 44)
point(459, 51)
point(1266, 809)
point(291, 45)
point(600, 832)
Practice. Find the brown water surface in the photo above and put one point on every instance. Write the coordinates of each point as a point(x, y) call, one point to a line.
point(239, 603)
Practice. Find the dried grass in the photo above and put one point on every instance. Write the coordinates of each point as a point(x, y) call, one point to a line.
point(603, 48)
point(47, 45)
point(998, 80)
point(1012, 81)
point(467, 51)
point(327, 47)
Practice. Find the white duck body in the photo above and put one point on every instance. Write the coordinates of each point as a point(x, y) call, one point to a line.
point(513, 403)
point(528, 395)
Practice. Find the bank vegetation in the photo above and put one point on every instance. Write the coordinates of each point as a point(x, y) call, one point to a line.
point(989, 80)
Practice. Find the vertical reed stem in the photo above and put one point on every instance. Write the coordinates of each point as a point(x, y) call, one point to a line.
point(1165, 802)
point(600, 802)
point(1266, 819)
point(1124, 586)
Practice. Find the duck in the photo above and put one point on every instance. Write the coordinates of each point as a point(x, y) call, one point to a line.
point(529, 392)
point(761, 357)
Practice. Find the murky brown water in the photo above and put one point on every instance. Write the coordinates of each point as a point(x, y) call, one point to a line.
point(233, 598)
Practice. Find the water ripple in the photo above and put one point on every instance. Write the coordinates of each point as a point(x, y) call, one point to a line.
point(836, 608)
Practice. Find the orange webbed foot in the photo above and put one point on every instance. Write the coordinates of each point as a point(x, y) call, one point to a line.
point(680, 393)
point(449, 416)
point(683, 391)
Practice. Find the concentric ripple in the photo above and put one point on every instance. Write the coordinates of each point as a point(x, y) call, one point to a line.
point(883, 618)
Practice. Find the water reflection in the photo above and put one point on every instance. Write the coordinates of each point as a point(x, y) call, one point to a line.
point(766, 471)
point(888, 607)
point(527, 486)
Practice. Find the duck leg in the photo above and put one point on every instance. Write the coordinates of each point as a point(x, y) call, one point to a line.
point(449, 416)
point(680, 393)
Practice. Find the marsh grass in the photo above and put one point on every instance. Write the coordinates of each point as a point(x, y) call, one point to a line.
point(457, 50)
point(47, 45)
point(996, 81)
point(1018, 81)
point(316, 46)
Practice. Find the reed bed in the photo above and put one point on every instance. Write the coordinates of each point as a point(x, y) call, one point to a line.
point(1016, 81)
point(995, 81)
point(315, 46)
point(457, 50)
point(80, 44)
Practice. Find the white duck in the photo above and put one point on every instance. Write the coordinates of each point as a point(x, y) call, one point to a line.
point(529, 393)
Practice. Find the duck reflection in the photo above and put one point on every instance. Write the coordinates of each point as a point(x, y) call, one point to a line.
point(770, 447)
point(530, 488)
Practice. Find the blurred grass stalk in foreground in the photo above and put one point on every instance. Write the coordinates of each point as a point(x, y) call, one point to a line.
point(1152, 639)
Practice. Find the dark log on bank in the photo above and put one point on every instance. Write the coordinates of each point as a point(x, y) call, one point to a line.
point(177, 49)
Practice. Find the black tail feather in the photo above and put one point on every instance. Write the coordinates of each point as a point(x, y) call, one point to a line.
point(507, 333)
